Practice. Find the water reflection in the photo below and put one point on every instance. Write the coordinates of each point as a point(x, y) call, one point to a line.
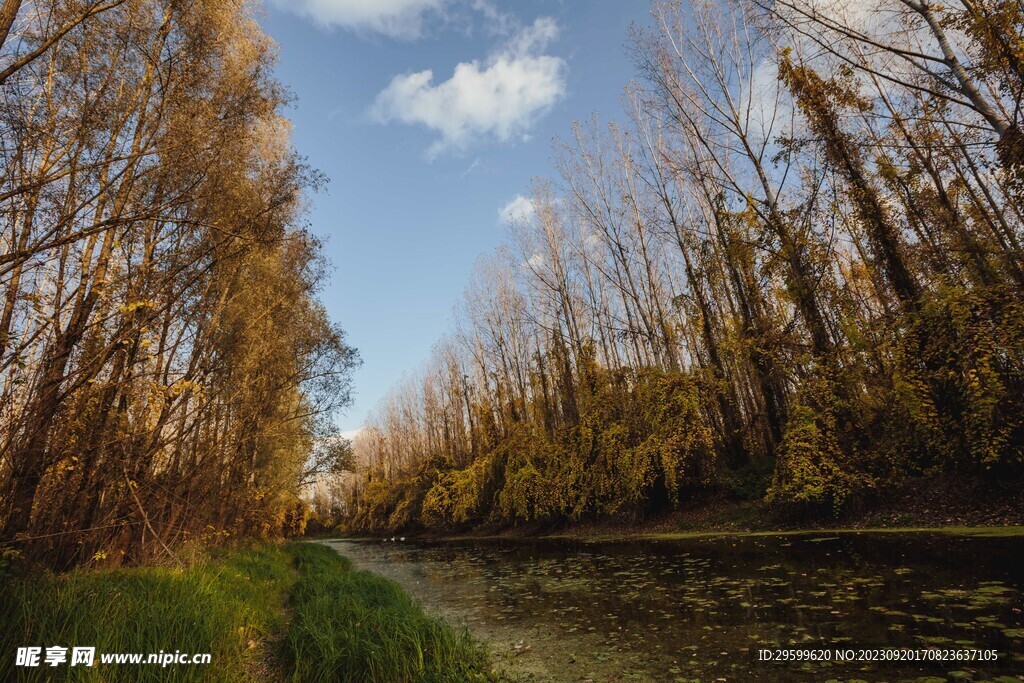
point(699, 609)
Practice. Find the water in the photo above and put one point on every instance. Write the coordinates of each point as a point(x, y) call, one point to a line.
point(700, 609)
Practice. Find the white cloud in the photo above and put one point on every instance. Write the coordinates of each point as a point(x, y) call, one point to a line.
point(499, 98)
point(395, 18)
point(519, 210)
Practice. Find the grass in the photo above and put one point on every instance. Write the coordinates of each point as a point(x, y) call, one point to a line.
point(994, 532)
point(599, 536)
point(297, 612)
point(356, 626)
point(991, 532)
point(217, 605)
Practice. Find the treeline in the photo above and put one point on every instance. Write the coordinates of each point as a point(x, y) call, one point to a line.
point(795, 272)
point(165, 366)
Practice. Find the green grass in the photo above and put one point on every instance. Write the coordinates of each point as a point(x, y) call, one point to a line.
point(356, 626)
point(991, 532)
point(297, 612)
point(217, 605)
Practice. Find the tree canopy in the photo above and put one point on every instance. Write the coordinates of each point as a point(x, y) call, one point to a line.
point(799, 256)
point(165, 366)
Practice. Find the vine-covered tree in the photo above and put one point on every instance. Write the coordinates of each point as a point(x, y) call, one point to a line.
point(800, 257)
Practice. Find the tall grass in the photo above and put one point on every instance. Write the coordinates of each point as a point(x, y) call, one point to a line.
point(355, 626)
point(297, 612)
point(219, 605)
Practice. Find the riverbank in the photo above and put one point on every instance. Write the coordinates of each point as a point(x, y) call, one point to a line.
point(264, 612)
point(932, 504)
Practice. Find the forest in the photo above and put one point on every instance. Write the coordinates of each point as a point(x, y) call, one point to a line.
point(167, 372)
point(793, 272)
point(694, 408)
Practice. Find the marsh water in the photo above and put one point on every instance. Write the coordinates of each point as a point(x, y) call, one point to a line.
point(700, 608)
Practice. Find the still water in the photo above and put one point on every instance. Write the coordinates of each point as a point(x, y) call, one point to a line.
point(701, 608)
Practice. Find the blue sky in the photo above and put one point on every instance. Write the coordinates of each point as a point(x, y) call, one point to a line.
point(421, 164)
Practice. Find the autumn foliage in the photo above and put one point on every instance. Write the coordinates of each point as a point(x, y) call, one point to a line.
point(801, 258)
point(165, 368)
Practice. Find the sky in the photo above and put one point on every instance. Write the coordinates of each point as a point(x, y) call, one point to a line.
point(431, 118)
